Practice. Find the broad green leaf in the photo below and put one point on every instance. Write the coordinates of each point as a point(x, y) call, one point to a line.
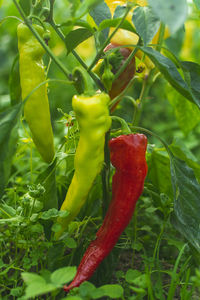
point(63, 275)
point(113, 291)
point(8, 141)
point(48, 180)
point(114, 22)
point(146, 23)
point(187, 113)
point(75, 37)
point(99, 13)
point(192, 76)
point(131, 275)
point(70, 242)
point(85, 6)
point(36, 285)
point(119, 11)
point(159, 172)
point(170, 72)
point(49, 214)
point(86, 288)
point(32, 277)
point(171, 13)
point(186, 201)
point(38, 288)
point(179, 150)
point(197, 3)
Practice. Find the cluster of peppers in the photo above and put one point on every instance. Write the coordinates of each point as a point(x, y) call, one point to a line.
point(127, 152)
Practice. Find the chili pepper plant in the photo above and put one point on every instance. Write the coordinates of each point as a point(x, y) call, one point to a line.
point(99, 149)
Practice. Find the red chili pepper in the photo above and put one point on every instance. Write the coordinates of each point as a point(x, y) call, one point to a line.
point(127, 153)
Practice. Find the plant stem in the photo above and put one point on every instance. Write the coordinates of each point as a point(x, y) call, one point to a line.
point(147, 82)
point(125, 64)
point(105, 176)
point(97, 57)
point(174, 275)
point(38, 37)
point(92, 75)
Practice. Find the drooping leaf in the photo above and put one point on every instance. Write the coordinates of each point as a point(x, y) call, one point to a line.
point(75, 37)
point(172, 13)
point(170, 72)
point(8, 141)
point(186, 201)
point(146, 23)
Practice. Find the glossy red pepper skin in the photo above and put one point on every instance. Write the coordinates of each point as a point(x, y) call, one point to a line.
point(127, 153)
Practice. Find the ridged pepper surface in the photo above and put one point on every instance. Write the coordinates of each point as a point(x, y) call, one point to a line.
point(127, 153)
point(94, 121)
point(32, 73)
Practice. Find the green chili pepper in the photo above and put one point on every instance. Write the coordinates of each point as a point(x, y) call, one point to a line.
point(94, 121)
point(32, 73)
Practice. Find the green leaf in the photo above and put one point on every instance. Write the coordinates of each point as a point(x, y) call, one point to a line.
point(85, 6)
point(192, 76)
point(131, 275)
point(70, 242)
point(186, 201)
point(170, 72)
point(113, 23)
point(146, 23)
point(172, 13)
point(32, 277)
point(159, 172)
point(179, 150)
point(48, 180)
point(75, 37)
point(36, 285)
point(38, 288)
point(14, 82)
point(114, 291)
point(187, 113)
point(26, 5)
point(8, 142)
point(99, 13)
point(86, 288)
point(63, 275)
point(72, 298)
point(49, 214)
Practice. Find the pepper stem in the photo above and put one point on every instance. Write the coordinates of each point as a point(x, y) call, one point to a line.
point(124, 125)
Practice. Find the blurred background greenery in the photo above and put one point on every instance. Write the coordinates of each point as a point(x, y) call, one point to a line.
point(164, 111)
